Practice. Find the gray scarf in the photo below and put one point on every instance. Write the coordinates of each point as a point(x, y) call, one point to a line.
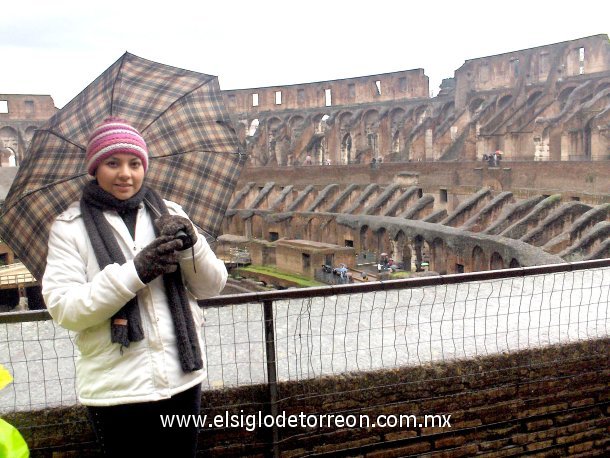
point(107, 251)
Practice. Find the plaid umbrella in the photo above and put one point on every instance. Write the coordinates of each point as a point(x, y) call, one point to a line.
point(195, 159)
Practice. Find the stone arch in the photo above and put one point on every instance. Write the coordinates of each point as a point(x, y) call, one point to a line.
point(418, 248)
point(256, 224)
point(438, 258)
point(9, 138)
point(479, 260)
point(495, 261)
point(28, 134)
point(397, 117)
point(317, 149)
point(396, 142)
point(313, 229)
point(514, 264)
point(402, 250)
point(346, 149)
point(345, 120)
point(253, 127)
point(364, 238)
point(370, 118)
point(533, 98)
point(296, 122)
point(562, 98)
point(382, 242)
point(504, 101)
point(330, 233)
point(273, 125)
point(319, 122)
point(8, 157)
point(446, 110)
point(419, 114)
point(587, 139)
point(476, 105)
point(601, 86)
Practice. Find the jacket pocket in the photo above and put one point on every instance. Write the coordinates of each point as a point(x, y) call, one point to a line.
point(94, 340)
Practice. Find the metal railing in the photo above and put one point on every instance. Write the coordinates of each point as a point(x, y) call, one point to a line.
point(297, 334)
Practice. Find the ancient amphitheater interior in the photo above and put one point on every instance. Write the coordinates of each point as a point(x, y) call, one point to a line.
point(374, 164)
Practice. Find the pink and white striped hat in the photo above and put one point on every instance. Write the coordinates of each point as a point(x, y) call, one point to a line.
point(113, 136)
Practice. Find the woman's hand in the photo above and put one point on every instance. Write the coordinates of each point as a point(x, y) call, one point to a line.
point(170, 225)
point(157, 258)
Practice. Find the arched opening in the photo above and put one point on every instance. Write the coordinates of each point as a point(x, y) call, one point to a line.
point(438, 258)
point(514, 264)
point(402, 251)
point(532, 98)
point(253, 128)
point(446, 111)
point(420, 114)
point(496, 262)
point(9, 138)
point(504, 101)
point(587, 140)
point(475, 106)
point(563, 96)
point(364, 243)
point(8, 158)
point(418, 247)
point(479, 261)
point(396, 142)
point(382, 242)
point(346, 149)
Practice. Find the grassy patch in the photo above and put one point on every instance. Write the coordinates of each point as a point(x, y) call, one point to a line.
point(271, 271)
point(397, 275)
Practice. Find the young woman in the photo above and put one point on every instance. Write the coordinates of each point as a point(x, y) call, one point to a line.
point(127, 285)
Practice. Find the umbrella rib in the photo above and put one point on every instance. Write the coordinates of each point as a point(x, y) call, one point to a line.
point(180, 153)
point(211, 78)
point(42, 188)
point(60, 136)
point(114, 83)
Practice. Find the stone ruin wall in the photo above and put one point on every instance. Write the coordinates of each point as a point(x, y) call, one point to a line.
point(466, 218)
point(22, 115)
point(550, 102)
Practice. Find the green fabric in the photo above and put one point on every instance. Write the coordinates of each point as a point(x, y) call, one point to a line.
point(12, 444)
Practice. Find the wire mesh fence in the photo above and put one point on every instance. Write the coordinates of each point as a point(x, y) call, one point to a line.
point(344, 329)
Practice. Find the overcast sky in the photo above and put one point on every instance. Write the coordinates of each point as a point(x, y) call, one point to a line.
point(57, 47)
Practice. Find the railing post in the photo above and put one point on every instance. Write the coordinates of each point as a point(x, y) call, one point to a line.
point(274, 450)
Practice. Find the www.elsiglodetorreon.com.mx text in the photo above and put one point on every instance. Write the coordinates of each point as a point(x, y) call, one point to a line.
point(250, 422)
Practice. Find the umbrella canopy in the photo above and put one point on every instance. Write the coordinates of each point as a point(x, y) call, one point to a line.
point(194, 154)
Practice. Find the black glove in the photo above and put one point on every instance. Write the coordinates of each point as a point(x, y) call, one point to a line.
point(170, 225)
point(157, 258)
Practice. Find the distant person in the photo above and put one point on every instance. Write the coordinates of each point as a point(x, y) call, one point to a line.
point(308, 160)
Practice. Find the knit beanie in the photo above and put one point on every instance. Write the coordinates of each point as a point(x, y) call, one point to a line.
point(113, 136)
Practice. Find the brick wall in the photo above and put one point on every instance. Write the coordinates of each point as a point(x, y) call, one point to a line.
point(581, 179)
point(546, 402)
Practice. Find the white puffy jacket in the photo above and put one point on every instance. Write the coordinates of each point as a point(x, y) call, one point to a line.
point(82, 298)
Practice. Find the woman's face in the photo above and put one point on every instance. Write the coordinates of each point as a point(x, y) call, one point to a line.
point(120, 175)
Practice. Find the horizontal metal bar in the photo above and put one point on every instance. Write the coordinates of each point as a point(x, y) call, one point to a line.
point(369, 287)
point(407, 283)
